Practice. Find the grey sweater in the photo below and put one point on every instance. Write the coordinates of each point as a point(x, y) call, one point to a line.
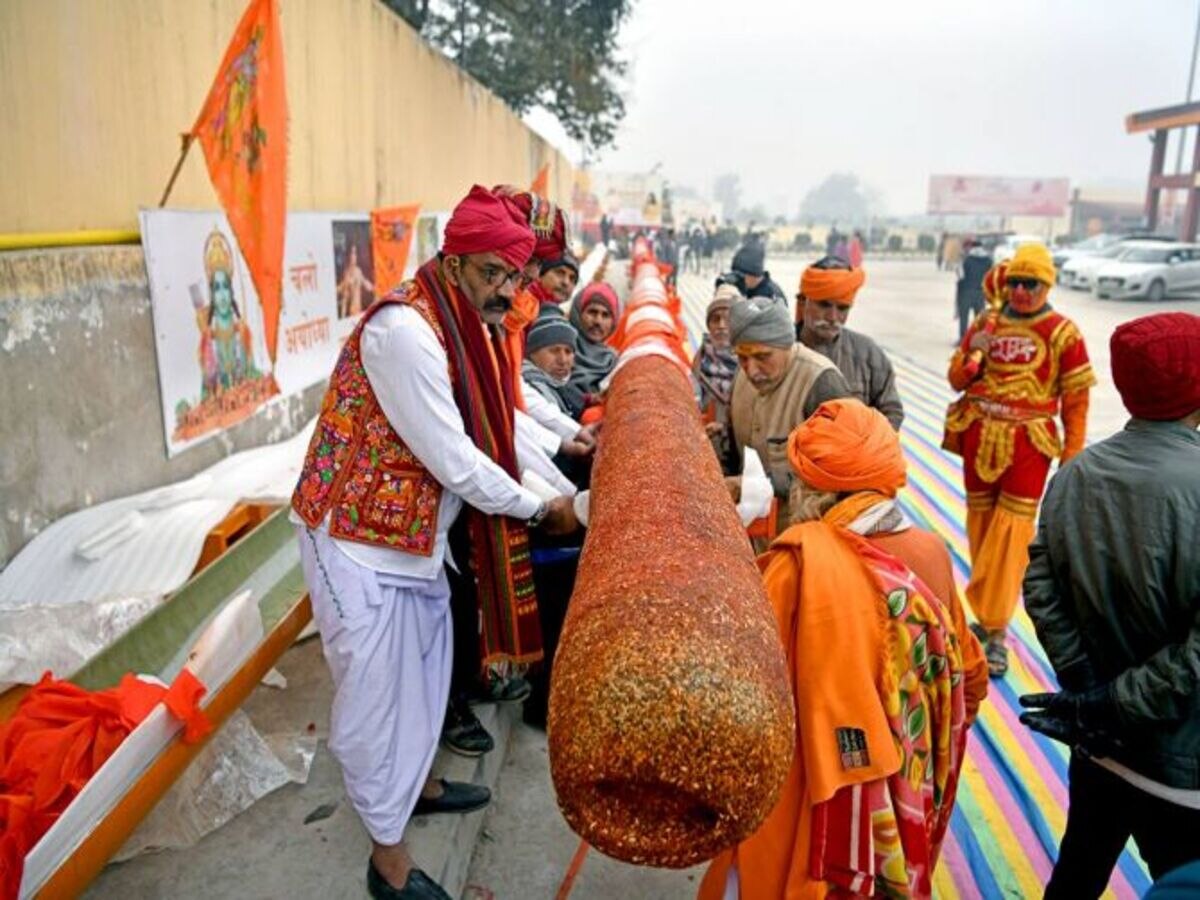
point(867, 371)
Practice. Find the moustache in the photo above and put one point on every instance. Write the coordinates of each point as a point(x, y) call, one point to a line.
point(498, 304)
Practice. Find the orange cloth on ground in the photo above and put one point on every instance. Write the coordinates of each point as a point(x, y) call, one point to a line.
point(831, 284)
point(1074, 416)
point(847, 446)
point(926, 554)
point(58, 738)
point(826, 604)
point(524, 310)
point(998, 566)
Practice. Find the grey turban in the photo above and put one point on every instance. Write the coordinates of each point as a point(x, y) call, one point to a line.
point(761, 320)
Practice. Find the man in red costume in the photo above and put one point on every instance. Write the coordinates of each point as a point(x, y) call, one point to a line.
point(1018, 367)
point(416, 435)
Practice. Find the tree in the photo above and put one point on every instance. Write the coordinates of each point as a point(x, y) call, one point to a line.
point(557, 54)
point(727, 190)
point(840, 198)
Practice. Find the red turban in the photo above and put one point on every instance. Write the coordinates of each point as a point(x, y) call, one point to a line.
point(846, 446)
point(547, 220)
point(839, 285)
point(483, 223)
point(1156, 365)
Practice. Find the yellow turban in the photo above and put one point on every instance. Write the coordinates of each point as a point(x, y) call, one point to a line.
point(839, 285)
point(846, 447)
point(1032, 261)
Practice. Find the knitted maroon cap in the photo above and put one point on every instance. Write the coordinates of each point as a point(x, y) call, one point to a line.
point(1156, 365)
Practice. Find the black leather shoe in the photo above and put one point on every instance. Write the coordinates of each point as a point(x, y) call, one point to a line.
point(464, 734)
point(419, 886)
point(457, 797)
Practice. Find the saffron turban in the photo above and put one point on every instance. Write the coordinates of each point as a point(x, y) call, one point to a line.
point(1156, 365)
point(845, 447)
point(547, 221)
point(760, 320)
point(839, 285)
point(1032, 261)
point(483, 223)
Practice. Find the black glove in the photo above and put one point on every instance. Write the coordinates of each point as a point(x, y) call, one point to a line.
point(1088, 717)
point(1078, 677)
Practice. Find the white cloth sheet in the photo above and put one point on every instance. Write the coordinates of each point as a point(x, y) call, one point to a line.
point(389, 644)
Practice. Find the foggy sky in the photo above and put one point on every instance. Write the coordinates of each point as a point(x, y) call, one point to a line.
point(785, 93)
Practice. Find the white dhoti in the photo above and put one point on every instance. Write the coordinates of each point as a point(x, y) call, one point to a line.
point(388, 642)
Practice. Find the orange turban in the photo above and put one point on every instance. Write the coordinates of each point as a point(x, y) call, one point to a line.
point(831, 284)
point(845, 447)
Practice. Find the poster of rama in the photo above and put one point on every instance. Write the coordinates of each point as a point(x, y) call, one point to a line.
point(213, 367)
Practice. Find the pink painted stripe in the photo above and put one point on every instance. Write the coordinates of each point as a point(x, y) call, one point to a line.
point(957, 866)
point(1010, 808)
point(1024, 739)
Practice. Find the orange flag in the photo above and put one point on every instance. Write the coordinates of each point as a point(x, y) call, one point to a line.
point(243, 130)
point(391, 237)
point(541, 184)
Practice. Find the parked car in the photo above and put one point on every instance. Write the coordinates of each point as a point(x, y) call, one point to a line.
point(1087, 247)
point(1005, 250)
point(1097, 244)
point(1080, 272)
point(1152, 272)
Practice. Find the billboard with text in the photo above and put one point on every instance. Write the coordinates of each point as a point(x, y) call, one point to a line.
point(986, 195)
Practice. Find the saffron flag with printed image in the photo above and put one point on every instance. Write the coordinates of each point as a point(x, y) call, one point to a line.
point(242, 129)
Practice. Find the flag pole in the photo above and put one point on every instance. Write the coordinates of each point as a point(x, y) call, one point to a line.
point(185, 144)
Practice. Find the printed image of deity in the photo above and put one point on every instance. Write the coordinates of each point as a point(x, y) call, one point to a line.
point(226, 355)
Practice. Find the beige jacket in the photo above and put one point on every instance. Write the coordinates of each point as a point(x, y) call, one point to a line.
point(764, 421)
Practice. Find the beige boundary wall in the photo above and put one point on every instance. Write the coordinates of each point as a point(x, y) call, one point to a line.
point(94, 94)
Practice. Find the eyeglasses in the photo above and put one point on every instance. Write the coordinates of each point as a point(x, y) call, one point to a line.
point(497, 276)
point(1030, 284)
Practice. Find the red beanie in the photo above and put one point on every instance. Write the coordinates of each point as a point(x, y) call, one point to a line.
point(598, 292)
point(1156, 365)
point(484, 223)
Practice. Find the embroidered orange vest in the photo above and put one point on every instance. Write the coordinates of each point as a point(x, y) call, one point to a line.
point(357, 469)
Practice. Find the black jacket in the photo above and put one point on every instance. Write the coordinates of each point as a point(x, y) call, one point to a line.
point(765, 288)
point(1113, 587)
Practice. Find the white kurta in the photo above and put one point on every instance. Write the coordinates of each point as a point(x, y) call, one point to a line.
point(410, 375)
point(383, 614)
